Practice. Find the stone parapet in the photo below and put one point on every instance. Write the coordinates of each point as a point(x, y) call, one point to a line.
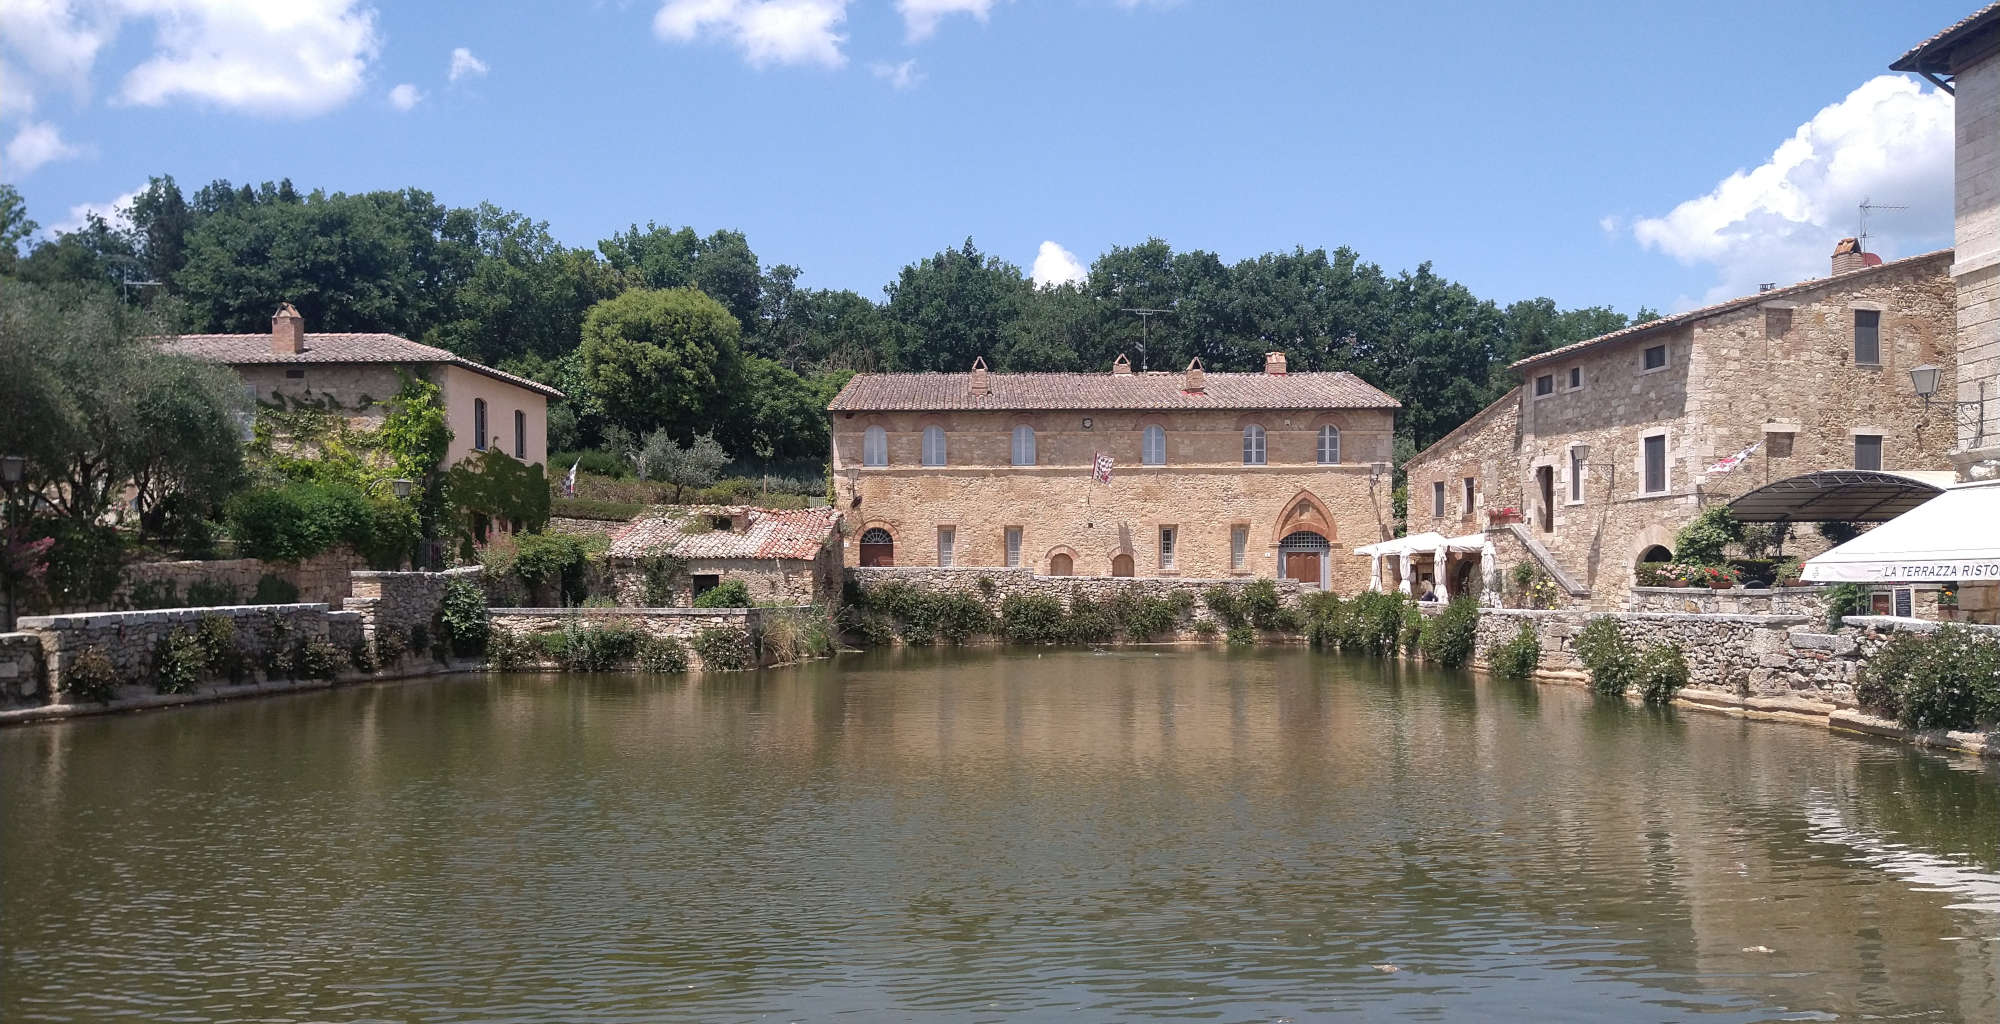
point(992, 586)
point(402, 601)
point(20, 668)
point(130, 639)
point(1703, 601)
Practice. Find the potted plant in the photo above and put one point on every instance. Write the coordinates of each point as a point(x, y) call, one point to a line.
point(1719, 577)
point(1948, 602)
point(1508, 514)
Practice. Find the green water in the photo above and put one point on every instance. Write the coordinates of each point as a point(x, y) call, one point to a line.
point(988, 836)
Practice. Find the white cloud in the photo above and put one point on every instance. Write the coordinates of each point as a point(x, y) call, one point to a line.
point(55, 39)
point(16, 97)
point(1890, 141)
point(1056, 265)
point(463, 63)
point(767, 31)
point(297, 58)
point(899, 76)
point(405, 96)
point(117, 212)
point(921, 17)
point(37, 143)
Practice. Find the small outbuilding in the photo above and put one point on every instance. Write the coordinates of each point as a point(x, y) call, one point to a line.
point(783, 556)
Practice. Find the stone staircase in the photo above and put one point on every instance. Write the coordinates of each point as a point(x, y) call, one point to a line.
point(1547, 560)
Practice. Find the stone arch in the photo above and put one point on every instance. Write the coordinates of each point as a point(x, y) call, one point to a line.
point(1123, 565)
point(1654, 536)
point(870, 547)
point(1064, 552)
point(1656, 553)
point(1304, 511)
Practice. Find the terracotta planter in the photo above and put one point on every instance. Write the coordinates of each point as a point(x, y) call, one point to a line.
point(1720, 585)
point(1678, 584)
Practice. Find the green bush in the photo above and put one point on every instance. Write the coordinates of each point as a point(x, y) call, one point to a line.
point(275, 590)
point(296, 521)
point(1032, 619)
point(390, 646)
point(1145, 618)
point(463, 619)
point(557, 561)
point(601, 511)
point(212, 594)
point(663, 654)
point(85, 564)
point(1661, 672)
point(1372, 622)
point(1603, 649)
point(1876, 689)
point(1261, 604)
point(1843, 600)
point(147, 595)
point(90, 676)
point(1241, 635)
point(1090, 622)
point(507, 650)
point(178, 662)
point(725, 649)
point(362, 657)
point(587, 647)
point(220, 654)
point(1706, 537)
point(315, 658)
point(794, 636)
point(1223, 604)
point(276, 657)
point(420, 641)
point(661, 575)
point(726, 594)
point(1516, 658)
point(593, 461)
point(1411, 632)
point(1450, 636)
point(1206, 629)
point(1948, 680)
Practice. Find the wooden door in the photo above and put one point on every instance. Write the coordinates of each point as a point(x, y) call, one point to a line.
point(1545, 485)
point(1121, 564)
point(1302, 566)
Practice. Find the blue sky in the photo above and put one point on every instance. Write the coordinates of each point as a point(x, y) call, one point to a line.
point(1580, 151)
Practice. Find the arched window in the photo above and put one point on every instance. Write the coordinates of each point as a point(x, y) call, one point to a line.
point(934, 446)
point(877, 547)
point(479, 423)
point(875, 447)
point(1153, 446)
point(1121, 564)
point(1024, 446)
point(1253, 445)
point(1061, 564)
point(1329, 445)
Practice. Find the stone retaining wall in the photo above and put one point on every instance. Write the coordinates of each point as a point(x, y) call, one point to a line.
point(321, 579)
point(20, 668)
point(1009, 582)
point(130, 639)
point(683, 624)
point(1807, 601)
point(402, 601)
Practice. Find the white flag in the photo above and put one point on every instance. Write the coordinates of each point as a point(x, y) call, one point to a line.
point(569, 482)
point(1733, 461)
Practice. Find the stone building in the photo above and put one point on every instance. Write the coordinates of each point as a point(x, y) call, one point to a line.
point(1607, 447)
point(357, 375)
point(1211, 475)
point(787, 557)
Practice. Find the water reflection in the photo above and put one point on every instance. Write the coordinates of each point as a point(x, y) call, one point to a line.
point(989, 836)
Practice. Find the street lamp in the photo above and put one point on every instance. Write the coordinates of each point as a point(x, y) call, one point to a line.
point(399, 485)
point(1924, 380)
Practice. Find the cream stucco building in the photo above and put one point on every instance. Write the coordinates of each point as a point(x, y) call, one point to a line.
point(1211, 475)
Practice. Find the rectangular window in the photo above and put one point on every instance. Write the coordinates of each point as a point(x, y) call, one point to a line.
point(947, 540)
point(1656, 464)
point(1437, 498)
point(1575, 377)
point(479, 423)
point(1468, 496)
point(1545, 384)
point(1167, 537)
point(1575, 475)
point(520, 434)
point(1013, 546)
point(1868, 451)
point(1656, 357)
point(1239, 547)
point(1777, 323)
point(1867, 337)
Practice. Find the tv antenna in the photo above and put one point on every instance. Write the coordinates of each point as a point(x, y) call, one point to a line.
point(1146, 329)
point(1867, 204)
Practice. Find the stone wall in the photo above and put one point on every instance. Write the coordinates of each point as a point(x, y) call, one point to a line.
point(1010, 582)
point(682, 624)
point(400, 601)
point(1806, 601)
point(1977, 269)
point(130, 639)
point(787, 581)
point(20, 668)
point(321, 579)
point(1204, 491)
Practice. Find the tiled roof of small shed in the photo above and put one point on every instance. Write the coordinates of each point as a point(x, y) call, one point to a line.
point(922, 392)
point(772, 533)
point(255, 349)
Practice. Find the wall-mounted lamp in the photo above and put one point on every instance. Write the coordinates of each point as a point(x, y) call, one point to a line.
point(12, 469)
point(1377, 470)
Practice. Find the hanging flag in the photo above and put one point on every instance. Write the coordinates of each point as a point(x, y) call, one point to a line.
point(569, 482)
point(1733, 461)
point(1100, 468)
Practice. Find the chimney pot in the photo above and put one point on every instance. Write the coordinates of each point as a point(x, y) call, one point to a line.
point(1847, 256)
point(1197, 381)
point(288, 331)
point(1121, 366)
point(1274, 363)
point(980, 385)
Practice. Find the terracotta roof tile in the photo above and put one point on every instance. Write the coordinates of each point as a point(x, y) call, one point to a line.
point(1919, 57)
point(1637, 330)
point(880, 392)
point(772, 533)
point(255, 349)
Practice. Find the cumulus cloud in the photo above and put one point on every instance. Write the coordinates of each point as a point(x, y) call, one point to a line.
point(405, 96)
point(16, 97)
point(297, 58)
point(116, 212)
point(55, 39)
point(463, 63)
point(899, 76)
point(37, 143)
point(1889, 141)
point(921, 17)
point(1056, 265)
point(766, 31)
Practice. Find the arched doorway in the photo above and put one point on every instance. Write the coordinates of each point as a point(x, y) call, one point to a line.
point(1302, 556)
point(1121, 564)
point(1465, 579)
point(1061, 564)
point(877, 547)
point(1656, 553)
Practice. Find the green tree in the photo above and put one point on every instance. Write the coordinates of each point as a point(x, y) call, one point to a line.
point(691, 467)
point(661, 358)
point(15, 227)
point(954, 307)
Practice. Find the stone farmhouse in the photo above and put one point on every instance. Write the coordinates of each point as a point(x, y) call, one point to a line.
point(1608, 447)
point(785, 557)
point(1210, 475)
point(357, 374)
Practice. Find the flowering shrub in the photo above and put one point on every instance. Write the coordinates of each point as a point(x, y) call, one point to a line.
point(1666, 574)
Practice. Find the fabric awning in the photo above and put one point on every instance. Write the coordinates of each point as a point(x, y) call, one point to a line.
point(1840, 495)
point(1423, 544)
point(1954, 536)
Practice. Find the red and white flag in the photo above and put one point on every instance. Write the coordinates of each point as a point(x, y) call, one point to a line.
point(1100, 468)
point(569, 482)
point(1725, 465)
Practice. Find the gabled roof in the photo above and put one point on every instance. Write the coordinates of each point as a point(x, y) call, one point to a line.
point(1730, 306)
point(771, 533)
point(255, 349)
point(925, 392)
point(1933, 55)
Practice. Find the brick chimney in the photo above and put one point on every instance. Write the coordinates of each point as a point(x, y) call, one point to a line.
point(288, 331)
point(1122, 366)
point(1274, 363)
point(980, 386)
point(1197, 382)
point(1847, 256)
